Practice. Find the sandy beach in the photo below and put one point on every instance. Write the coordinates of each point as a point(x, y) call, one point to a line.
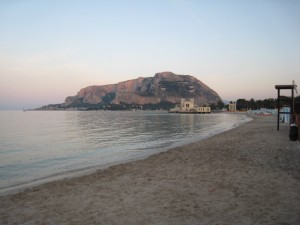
point(248, 175)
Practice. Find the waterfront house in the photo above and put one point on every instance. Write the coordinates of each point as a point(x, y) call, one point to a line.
point(188, 106)
point(232, 106)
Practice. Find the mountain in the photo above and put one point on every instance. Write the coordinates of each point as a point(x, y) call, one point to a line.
point(165, 87)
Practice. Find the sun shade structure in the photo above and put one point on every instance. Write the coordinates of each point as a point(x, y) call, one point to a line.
point(291, 87)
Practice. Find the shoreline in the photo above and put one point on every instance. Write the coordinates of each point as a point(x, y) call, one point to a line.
point(14, 189)
point(247, 175)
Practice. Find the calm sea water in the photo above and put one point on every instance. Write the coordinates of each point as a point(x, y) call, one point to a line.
point(38, 145)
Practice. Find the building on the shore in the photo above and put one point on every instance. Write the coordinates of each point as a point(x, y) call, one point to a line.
point(188, 106)
point(232, 106)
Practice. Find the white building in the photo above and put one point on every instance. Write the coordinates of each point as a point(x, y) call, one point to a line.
point(188, 106)
point(232, 106)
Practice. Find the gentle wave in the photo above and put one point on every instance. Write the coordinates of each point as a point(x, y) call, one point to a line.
point(35, 145)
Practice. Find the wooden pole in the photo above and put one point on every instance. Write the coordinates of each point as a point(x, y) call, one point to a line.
point(292, 120)
point(278, 101)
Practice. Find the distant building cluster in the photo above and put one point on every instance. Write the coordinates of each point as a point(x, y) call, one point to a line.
point(188, 106)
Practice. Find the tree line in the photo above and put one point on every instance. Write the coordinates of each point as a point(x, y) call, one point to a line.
point(270, 103)
point(243, 104)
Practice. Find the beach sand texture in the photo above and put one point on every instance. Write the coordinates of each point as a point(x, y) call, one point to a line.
point(248, 175)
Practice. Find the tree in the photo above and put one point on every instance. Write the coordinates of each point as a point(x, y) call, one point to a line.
point(259, 104)
point(269, 103)
point(251, 104)
point(213, 106)
point(220, 105)
point(242, 104)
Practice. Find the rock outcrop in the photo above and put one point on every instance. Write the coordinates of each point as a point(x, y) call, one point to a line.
point(163, 87)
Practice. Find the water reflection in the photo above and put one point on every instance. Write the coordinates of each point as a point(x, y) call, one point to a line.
point(110, 129)
point(34, 145)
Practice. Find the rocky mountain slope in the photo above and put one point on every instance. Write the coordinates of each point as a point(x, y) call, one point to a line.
point(163, 87)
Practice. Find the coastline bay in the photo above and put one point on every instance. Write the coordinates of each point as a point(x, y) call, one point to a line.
point(39, 146)
point(248, 175)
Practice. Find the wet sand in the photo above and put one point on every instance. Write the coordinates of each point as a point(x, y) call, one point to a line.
point(249, 175)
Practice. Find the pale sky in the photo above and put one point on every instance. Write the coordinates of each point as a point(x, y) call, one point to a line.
point(51, 49)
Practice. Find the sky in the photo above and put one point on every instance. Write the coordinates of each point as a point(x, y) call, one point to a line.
point(51, 49)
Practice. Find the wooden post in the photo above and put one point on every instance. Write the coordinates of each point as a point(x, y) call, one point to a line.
point(292, 104)
point(278, 107)
point(298, 125)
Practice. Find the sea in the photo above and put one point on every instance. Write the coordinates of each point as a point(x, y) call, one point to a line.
point(41, 146)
